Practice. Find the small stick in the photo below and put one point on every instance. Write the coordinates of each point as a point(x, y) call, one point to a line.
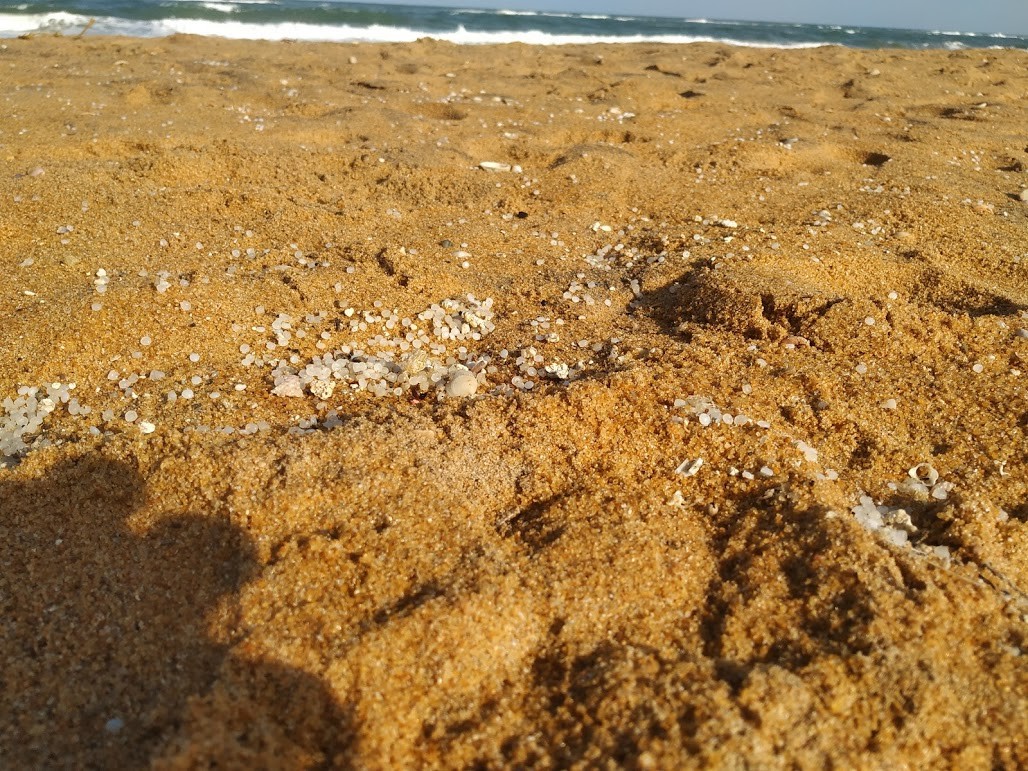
point(1014, 587)
point(85, 29)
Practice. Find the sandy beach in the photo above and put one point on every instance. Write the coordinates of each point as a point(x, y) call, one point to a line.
point(435, 406)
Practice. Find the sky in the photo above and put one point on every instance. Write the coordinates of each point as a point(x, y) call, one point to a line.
point(1007, 16)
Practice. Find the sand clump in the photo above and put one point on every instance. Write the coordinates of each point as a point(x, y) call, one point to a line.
point(428, 406)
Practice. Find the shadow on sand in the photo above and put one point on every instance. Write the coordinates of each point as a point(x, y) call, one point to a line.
point(103, 637)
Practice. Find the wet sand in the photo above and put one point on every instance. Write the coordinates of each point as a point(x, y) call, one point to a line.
point(807, 269)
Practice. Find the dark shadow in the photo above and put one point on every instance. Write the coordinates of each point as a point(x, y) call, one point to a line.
point(876, 159)
point(582, 691)
point(534, 524)
point(832, 622)
point(956, 294)
point(672, 305)
point(106, 658)
point(1018, 511)
point(657, 68)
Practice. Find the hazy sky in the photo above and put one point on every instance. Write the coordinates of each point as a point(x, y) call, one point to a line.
point(1008, 16)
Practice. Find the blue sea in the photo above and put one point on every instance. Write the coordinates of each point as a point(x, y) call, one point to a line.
point(338, 21)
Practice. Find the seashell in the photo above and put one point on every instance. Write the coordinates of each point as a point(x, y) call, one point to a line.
point(415, 362)
point(461, 384)
point(924, 472)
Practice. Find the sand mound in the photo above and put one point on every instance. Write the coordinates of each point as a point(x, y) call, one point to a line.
point(758, 303)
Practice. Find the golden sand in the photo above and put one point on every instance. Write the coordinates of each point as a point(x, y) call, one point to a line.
point(820, 254)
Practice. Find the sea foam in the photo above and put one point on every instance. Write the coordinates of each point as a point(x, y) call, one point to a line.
point(357, 22)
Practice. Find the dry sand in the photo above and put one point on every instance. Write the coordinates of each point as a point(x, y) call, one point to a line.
point(519, 578)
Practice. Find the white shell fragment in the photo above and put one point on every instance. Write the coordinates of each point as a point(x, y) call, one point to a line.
point(289, 385)
point(900, 520)
point(558, 370)
point(494, 166)
point(322, 388)
point(461, 384)
point(689, 468)
point(809, 453)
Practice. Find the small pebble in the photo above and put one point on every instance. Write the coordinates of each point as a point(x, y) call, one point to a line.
point(1024, 195)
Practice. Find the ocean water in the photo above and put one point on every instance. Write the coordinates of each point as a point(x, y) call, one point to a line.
point(328, 20)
